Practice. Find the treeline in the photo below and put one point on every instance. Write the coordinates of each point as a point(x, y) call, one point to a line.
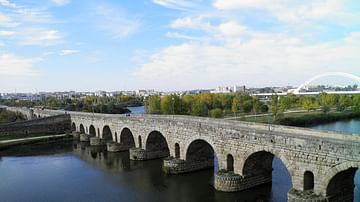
point(205, 104)
point(111, 105)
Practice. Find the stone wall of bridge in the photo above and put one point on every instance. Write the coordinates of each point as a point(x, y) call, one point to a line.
point(323, 154)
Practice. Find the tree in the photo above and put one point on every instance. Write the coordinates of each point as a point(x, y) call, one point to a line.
point(235, 105)
point(216, 113)
point(345, 102)
point(276, 109)
point(356, 101)
point(153, 106)
point(308, 103)
point(199, 108)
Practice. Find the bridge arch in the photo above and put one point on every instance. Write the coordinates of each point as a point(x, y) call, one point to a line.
point(343, 74)
point(82, 129)
point(200, 150)
point(107, 134)
point(177, 150)
point(92, 131)
point(73, 126)
point(127, 138)
point(156, 142)
point(335, 176)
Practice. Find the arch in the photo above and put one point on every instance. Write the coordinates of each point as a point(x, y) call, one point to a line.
point(341, 186)
point(140, 141)
point(274, 152)
point(106, 134)
point(308, 180)
point(73, 126)
point(177, 150)
point(200, 150)
point(343, 74)
point(157, 142)
point(116, 137)
point(92, 131)
point(127, 138)
point(82, 129)
point(337, 169)
point(260, 163)
point(229, 162)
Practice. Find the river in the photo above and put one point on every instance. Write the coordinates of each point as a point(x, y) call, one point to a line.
point(78, 172)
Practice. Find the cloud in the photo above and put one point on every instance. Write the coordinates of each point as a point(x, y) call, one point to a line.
point(264, 59)
point(2, 44)
point(12, 65)
point(178, 4)
point(61, 2)
point(116, 22)
point(41, 37)
point(293, 11)
point(69, 52)
point(6, 33)
point(6, 21)
point(8, 4)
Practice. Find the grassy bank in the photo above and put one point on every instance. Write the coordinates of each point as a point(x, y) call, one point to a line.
point(305, 119)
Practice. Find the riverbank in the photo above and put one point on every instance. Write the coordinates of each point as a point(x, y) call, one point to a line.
point(304, 119)
point(30, 140)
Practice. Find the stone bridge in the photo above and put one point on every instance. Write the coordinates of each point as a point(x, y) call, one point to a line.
point(322, 165)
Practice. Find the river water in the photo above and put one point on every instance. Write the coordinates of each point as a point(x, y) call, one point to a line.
point(78, 172)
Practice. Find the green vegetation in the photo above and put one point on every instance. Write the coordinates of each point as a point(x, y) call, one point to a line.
point(205, 104)
point(111, 105)
point(8, 117)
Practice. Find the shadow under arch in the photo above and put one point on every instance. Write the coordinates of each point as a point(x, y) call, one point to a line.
point(200, 150)
point(157, 143)
point(82, 129)
point(107, 134)
point(272, 167)
point(340, 181)
point(92, 131)
point(73, 126)
point(127, 138)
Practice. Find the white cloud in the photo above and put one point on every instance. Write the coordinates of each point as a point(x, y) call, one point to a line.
point(2, 44)
point(61, 2)
point(264, 59)
point(41, 37)
point(294, 11)
point(6, 33)
point(6, 21)
point(12, 65)
point(69, 52)
point(178, 4)
point(232, 28)
point(7, 3)
point(116, 22)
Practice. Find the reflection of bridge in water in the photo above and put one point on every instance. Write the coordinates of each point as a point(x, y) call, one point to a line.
point(322, 165)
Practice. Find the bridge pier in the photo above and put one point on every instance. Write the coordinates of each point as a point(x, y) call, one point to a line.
point(116, 147)
point(96, 141)
point(84, 137)
point(308, 196)
point(179, 166)
point(139, 154)
point(228, 181)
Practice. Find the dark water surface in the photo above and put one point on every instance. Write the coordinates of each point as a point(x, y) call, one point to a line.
point(77, 172)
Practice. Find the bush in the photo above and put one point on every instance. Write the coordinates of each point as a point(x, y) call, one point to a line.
point(216, 113)
point(264, 108)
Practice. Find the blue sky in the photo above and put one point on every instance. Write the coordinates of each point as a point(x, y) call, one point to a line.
point(56, 45)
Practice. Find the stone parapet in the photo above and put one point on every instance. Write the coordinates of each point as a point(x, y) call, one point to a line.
point(178, 166)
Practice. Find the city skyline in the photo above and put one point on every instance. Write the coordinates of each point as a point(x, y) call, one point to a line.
point(60, 45)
